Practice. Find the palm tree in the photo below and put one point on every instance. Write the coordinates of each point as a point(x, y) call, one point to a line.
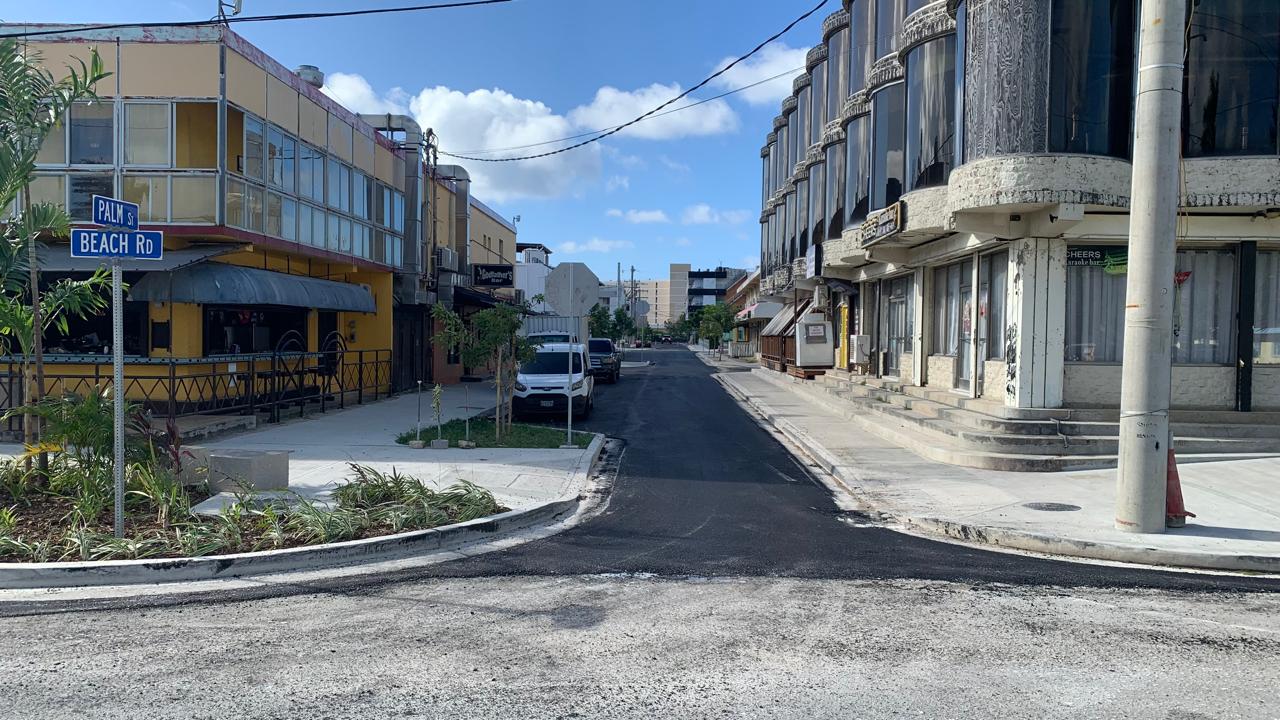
point(32, 104)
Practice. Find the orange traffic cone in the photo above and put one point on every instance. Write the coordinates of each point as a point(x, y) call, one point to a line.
point(1175, 513)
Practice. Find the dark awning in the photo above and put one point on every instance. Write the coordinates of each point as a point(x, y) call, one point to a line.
point(214, 283)
point(467, 296)
point(57, 258)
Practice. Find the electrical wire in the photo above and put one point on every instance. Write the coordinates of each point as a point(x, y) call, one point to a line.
point(725, 94)
point(654, 111)
point(254, 18)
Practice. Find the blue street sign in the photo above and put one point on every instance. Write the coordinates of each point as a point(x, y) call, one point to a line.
point(142, 244)
point(114, 213)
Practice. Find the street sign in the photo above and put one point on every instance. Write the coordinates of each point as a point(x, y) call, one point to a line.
point(493, 275)
point(115, 213)
point(140, 244)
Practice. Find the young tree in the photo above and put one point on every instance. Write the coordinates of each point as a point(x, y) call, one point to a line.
point(32, 104)
point(598, 322)
point(621, 325)
point(492, 337)
point(714, 321)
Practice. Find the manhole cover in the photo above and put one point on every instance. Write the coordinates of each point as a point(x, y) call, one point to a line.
point(1051, 507)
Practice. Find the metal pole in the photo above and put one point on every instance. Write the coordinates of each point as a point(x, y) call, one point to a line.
point(117, 389)
point(1153, 219)
point(568, 387)
point(466, 411)
point(418, 436)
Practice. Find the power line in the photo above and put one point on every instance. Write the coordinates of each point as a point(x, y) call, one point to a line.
point(655, 115)
point(654, 111)
point(255, 18)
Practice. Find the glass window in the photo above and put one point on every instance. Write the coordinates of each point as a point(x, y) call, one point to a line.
point(318, 237)
point(275, 214)
point(83, 188)
point(382, 205)
point(889, 14)
point(817, 203)
point(994, 328)
point(289, 219)
point(789, 232)
point(146, 134)
point(255, 203)
point(962, 28)
point(861, 44)
point(344, 188)
point(310, 173)
point(1095, 313)
point(1230, 102)
point(838, 69)
point(804, 111)
point(236, 204)
point(195, 140)
point(304, 224)
point(794, 132)
point(801, 243)
point(151, 193)
point(333, 234)
point(395, 251)
point(92, 132)
point(360, 195)
point(857, 161)
point(53, 151)
point(818, 118)
point(888, 108)
point(1266, 311)
point(193, 199)
point(281, 153)
point(1205, 310)
point(397, 211)
point(1092, 80)
point(914, 5)
point(950, 311)
point(334, 187)
point(931, 115)
point(253, 148)
point(50, 189)
point(835, 190)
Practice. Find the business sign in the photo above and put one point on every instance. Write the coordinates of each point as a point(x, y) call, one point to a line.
point(813, 262)
point(115, 213)
point(141, 244)
point(493, 275)
point(883, 223)
point(1113, 259)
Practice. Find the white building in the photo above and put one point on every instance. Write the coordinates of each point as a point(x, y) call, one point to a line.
point(532, 270)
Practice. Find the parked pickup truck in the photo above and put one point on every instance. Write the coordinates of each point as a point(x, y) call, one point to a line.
point(606, 361)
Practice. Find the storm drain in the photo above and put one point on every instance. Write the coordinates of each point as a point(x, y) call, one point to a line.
point(1051, 507)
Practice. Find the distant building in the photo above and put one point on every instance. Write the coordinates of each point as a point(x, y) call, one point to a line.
point(531, 273)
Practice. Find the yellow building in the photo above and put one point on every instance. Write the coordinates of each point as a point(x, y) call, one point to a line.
point(298, 267)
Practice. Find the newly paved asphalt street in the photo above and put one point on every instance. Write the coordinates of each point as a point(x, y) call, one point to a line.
point(720, 581)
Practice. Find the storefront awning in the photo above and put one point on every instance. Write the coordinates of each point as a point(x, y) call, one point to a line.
point(214, 283)
point(759, 311)
point(467, 296)
point(57, 258)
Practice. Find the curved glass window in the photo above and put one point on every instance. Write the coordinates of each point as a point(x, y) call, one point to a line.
point(764, 181)
point(931, 113)
point(838, 69)
point(1091, 79)
point(784, 152)
point(835, 192)
point(888, 118)
point(861, 44)
point(889, 14)
point(802, 219)
point(817, 203)
point(1230, 105)
point(789, 234)
point(792, 136)
point(804, 116)
point(819, 118)
point(914, 5)
point(857, 162)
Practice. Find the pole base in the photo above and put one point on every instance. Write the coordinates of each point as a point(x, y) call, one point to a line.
point(1175, 522)
point(570, 447)
point(417, 444)
point(439, 444)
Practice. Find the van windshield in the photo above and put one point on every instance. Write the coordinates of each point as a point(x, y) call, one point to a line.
point(551, 363)
point(600, 346)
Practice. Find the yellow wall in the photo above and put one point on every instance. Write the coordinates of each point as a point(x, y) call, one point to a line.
point(195, 142)
point(282, 105)
point(246, 84)
point(167, 70)
point(372, 331)
point(489, 238)
point(186, 330)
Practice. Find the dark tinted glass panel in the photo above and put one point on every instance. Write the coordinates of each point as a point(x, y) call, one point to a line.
point(914, 5)
point(784, 153)
point(801, 243)
point(838, 68)
point(857, 139)
point(803, 115)
point(888, 25)
point(962, 28)
point(600, 346)
point(931, 115)
point(789, 235)
point(1232, 74)
point(835, 176)
point(817, 203)
point(861, 44)
point(551, 363)
point(791, 136)
point(819, 74)
point(1092, 77)
point(888, 108)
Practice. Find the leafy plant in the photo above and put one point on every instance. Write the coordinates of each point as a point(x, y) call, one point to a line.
point(89, 490)
point(8, 519)
point(16, 481)
point(83, 426)
point(160, 489)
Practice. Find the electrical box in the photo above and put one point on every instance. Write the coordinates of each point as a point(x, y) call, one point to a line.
point(860, 349)
point(815, 344)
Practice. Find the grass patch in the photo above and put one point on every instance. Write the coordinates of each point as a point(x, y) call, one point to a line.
point(517, 436)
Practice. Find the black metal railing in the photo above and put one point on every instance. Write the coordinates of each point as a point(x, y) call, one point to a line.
point(274, 384)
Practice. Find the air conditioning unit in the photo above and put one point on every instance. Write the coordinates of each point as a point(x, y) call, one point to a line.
point(860, 349)
point(519, 296)
point(447, 259)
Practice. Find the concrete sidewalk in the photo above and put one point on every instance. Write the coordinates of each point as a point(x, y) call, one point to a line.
point(1237, 502)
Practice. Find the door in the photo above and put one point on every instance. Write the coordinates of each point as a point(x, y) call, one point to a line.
point(896, 326)
point(964, 304)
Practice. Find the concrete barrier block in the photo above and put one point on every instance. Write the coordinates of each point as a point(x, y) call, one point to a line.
point(232, 470)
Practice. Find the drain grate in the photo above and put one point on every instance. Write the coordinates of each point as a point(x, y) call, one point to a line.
point(1051, 507)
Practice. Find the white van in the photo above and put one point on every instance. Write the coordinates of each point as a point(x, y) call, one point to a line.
point(541, 382)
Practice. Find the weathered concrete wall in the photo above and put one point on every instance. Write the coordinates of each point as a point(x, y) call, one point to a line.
point(1036, 324)
point(994, 379)
point(1266, 387)
point(1048, 179)
point(1194, 386)
point(908, 373)
point(942, 371)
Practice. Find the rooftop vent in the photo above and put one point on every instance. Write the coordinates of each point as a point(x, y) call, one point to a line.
point(311, 75)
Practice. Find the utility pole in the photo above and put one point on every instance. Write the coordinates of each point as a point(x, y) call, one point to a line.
point(1153, 224)
point(633, 296)
point(622, 291)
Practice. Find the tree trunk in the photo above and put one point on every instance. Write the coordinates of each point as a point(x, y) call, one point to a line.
point(497, 411)
point(37, 340)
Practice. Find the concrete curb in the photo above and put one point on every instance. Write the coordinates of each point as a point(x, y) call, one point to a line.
point(15, 576)
point(1010, 538)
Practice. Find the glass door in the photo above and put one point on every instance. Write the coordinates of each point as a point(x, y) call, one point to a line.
point(896, 324)
point(964, 354)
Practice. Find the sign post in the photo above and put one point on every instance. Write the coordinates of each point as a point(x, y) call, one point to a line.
point(119, 238)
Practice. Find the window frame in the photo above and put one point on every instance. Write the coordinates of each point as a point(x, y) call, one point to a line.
point(170, 131)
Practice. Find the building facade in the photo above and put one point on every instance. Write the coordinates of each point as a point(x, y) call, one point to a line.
point(949, 185)
point(293, 227)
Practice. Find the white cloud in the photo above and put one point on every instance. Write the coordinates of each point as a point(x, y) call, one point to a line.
point(704, 214)
point(673, 165)
point(594, 245)
point(611, 107)
point(749, 262)
point(357, 95)
point(683, 242)
point(617, 182)
point(775, 58)
point(643, 217)
point(613, 212)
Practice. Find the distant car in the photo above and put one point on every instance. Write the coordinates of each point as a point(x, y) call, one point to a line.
point(606, 361)
point(556, 375)
point(644, 344)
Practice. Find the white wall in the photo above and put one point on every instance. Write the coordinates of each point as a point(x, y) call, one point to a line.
point(1194, 386)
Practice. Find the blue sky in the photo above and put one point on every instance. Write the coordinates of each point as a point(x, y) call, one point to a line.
point(682, 188)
